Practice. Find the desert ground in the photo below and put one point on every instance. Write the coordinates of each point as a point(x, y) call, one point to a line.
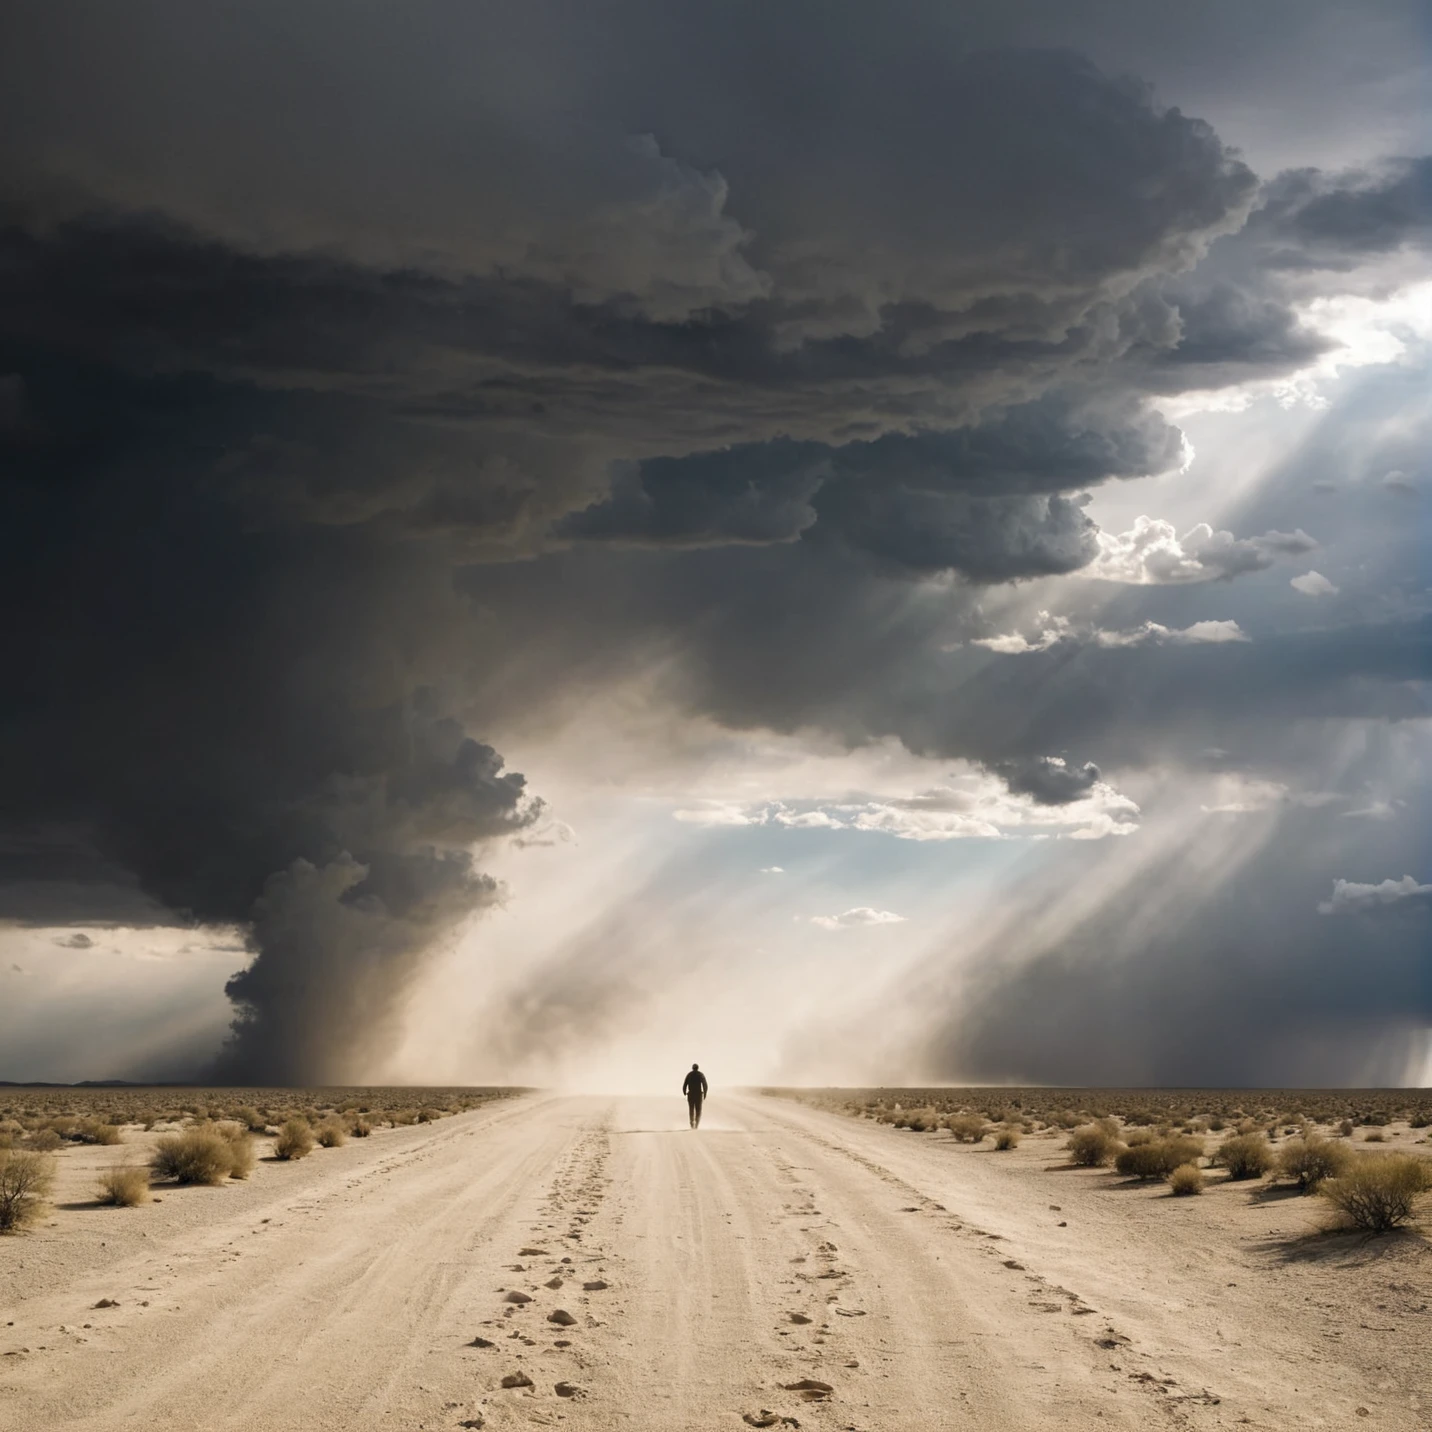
point(593, 1263)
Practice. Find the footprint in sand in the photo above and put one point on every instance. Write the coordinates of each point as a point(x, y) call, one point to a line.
point(517, 1379)
point(798, 1318)
point(810, 1389)
point(569, 1389)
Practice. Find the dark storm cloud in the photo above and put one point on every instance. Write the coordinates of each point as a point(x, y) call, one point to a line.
point(1314, 220)
point(970, 501)
point(328, 434)
point(1048, 779)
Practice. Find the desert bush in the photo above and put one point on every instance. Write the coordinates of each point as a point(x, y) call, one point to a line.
point(1217, 1124)
point(25, 1182)
point(124, 1185)
point(43, 1141)
point(1158, 1158)
point(1065, 1119)
point(11, 1132)
point(361, 1128)
point(1135, 1137)
point(1378, 1192)
point(92, 1131)
point(241, 1149)
point(295, 1140)
point(1185, 1179)
point(1374, 1136)
point(251, 1119)
point(1420, 1120)
point(967, 1128)
point(200, 1155)
point(331, 1134)
point(1345, 1128)
point(1006, 1139)
point(1311, 1159)
point(1141, 1116)
point(1092, 1146)
point(1245, 1156)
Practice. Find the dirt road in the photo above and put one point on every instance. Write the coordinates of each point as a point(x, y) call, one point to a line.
point(781, 1263)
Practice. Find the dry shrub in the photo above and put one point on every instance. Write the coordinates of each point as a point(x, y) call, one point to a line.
point(241, 1149)
point(124, 1185)
point(1092, 1146)
point(1345, 1128)
point(92, 1131)
point(1135, 1137)
point(44, 1141)
point(361, 1128)
point(1374, 1136)
point(295, 1140)
point(25, 1182)
point(1311, 1159)
point(11, 1133)
point(1245, 1156)
point(251, 1119)
point(967, 1128)
point(201, 1155)
point(1006, 1139)
point(1185, 1179)
point(1158, 1158)
point(331, 1134)
point(1378, 1192)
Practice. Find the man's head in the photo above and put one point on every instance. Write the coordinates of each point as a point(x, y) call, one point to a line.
point(695, 1066)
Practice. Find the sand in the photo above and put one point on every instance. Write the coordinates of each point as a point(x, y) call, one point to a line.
point(781, 1263)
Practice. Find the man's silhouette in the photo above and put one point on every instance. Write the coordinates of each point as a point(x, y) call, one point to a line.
point(694, 1087)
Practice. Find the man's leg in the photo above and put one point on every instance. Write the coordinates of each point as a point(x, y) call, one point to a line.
point(693, 1108)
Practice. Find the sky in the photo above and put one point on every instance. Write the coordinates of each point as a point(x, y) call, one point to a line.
point(848, 543)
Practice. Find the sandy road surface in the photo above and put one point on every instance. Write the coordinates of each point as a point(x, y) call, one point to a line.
point(706, 1276)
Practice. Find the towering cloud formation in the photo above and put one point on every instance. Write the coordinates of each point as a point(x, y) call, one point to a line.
point(496, 355)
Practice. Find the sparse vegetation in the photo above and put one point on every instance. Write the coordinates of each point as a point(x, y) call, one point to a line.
point(1307, 1161)
point(1378, 1192)
point(295, 1140)
point(331, 1134)
point(1092, 1146)
point(967, 1128)
point(201, 1155)
point(1157, 1158)
point(241, 1149)
point(1186, 1179)
point(124, 1185)
point(1006, 1139)
point(1245, 1156)
point(25, 1182)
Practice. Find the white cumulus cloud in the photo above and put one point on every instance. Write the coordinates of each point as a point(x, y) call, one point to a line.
point(1349, 896)
point(1151, 553)
point(860, 916)
point(1313, 584)
point(1053, 630)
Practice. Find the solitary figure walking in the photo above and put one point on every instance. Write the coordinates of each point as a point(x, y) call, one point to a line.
point(694, 1087)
